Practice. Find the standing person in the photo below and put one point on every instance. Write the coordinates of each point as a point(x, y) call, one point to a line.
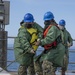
point(24, 47)
point(53, 54)
point(67, 42)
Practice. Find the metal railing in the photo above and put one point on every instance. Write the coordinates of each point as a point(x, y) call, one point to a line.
point(10, 61)
point(72, 51)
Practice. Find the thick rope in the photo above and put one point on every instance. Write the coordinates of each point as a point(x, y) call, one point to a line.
point(13, 61)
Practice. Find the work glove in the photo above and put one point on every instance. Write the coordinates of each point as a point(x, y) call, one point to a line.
point(38, 42)
point(32, 51)
point(69, 44)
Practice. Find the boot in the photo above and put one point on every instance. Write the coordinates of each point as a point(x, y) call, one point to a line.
point(63, 71)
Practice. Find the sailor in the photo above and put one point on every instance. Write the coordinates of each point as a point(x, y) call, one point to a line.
point(54, 50)
point(24, 47)
point(67, 42)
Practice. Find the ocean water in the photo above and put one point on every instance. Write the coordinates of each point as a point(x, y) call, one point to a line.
point(14, 66)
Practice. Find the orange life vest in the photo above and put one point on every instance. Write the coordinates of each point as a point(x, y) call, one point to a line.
point(53, 44)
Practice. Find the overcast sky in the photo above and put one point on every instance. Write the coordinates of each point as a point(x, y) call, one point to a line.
point(62, 9)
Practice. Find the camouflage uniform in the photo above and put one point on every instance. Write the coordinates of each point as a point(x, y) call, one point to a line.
point(21, 46)
point(52, 57)
point(38, 67)
point(66, 38)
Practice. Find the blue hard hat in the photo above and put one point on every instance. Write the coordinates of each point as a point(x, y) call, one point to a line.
point(28, 18)
point(48, 16)
point(62, 22)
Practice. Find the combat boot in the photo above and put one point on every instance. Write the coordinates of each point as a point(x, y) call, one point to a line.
point(63, 71)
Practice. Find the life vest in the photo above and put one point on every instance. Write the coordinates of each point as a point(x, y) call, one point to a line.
point(33, 33)
point(54, 44)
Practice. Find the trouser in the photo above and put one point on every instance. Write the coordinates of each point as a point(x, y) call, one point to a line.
point(23, 70)
point(38, 68)
point(65, 64)
point(48, 68)
point(31, 70)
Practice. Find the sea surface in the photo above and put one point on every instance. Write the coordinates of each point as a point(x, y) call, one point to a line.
point(14, 66)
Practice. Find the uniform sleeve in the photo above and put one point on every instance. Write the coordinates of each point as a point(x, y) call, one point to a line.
point(50, 37)
point(23, 40)
point(40, 31)
point(17, 45)
point(70, 40)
